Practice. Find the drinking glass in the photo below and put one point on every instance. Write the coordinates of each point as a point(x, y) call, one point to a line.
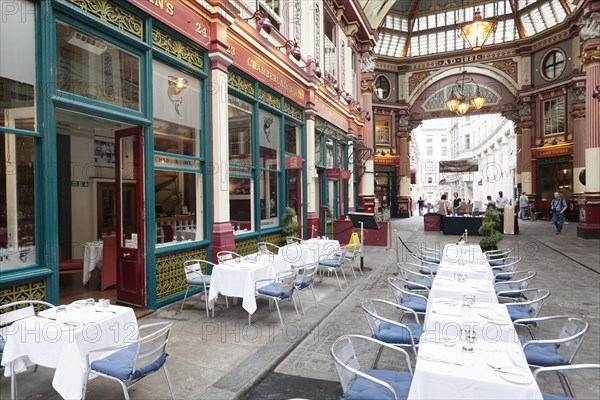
point(468, 301)
point(90, 302)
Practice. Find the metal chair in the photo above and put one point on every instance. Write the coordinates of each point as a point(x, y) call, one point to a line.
point(519, 280)
point(21, 310)
point(293, 240)
point(528, 308)
point(560, 370)
point(389, 331)
point(334, 262)
point(416, 280)
point(281, 288)
point(547, 352)
point(374, 383)
point(353, 251)
point(498, 257)
point(130, 362)
point(503, 272)
point(305, 279)
point(226, 255)
point(415, 301)
point(268, 248)
point(195, 277)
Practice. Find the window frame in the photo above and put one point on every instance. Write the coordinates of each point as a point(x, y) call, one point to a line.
point(544, 59)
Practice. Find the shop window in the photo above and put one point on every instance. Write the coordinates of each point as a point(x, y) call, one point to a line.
point(382, 130)
point(240, 131)
point(178, 207)
point(91, 67)
point(429, 139)
point(444, 151)
point(177, 111)
point(554, 116)
point(553, 64)
point(269, 132)
point(329, 41)
point(17, 67)
point(430, 151)
point(17, 201)
point(241, 204)
point(292, 134)
point(272, 9)
point(383, 87)
point(269, 199)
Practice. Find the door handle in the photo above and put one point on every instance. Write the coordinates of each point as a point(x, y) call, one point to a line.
point(126, 254)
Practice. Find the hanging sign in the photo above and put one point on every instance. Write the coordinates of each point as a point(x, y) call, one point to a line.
point(293, 162)
point(334, 173)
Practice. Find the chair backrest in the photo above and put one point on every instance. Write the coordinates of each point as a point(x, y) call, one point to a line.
point(226, 255)
point(169, 233)
point(576, 328)
point(512, 265)
point(268, 248)
point(288, 281)
point(536, 300)
point(345, 359)
point(398, 286)
point(109, 261)
point(566, 369)
point(307, 273)
point(292, 240)
point(371, 315)
point(20, 310)
point(197, 268)
point(153, 345)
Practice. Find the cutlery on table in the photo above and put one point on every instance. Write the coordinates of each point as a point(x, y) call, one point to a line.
point(433, 359)
point(110, 311)
point(507, 371)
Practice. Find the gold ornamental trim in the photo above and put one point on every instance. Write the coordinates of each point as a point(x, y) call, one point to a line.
point(578, 113)
point(240, 83)
point(550, 40)
point(112, 14)
point(165, 42)
point(292, 111)
point(590, 56)
point(269, 98)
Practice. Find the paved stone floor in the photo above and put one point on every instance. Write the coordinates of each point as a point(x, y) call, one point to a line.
point(224, 358)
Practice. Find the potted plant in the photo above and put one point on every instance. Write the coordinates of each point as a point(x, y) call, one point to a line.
point(492, 237)
point(290, 226)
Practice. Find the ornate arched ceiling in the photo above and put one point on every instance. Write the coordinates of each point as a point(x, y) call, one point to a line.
point(420, 27)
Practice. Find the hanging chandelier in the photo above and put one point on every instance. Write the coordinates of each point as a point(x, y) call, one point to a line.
point(478, 31)
point(459, 100)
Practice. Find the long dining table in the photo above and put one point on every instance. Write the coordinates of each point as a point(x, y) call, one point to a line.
point(469, 348)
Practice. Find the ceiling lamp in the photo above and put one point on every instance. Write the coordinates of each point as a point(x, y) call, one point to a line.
point(478, 31)
point(459, 95)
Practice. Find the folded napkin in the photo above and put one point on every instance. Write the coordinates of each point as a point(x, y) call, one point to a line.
point(482, 287)
point(447, 309)
point(442, 352)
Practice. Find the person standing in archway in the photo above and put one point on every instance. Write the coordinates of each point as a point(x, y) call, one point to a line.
point(421, 203)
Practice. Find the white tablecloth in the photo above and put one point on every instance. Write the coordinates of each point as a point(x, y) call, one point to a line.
point(92, 255)
point(237, 279)
point(308, 251)
point(52, 344)
point(437, 377)
point(443, 369)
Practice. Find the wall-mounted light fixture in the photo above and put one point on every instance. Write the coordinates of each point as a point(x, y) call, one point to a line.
point(263, 22)
point(295, 50)
point(316, 69)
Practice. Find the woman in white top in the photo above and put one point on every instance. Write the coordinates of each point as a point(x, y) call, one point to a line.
point(443, 208)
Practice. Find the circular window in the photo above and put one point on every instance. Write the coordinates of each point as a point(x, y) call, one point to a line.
point(383, 87)
point(553, 64)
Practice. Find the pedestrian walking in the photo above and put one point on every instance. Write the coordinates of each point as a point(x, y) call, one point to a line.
point(524, 206)
point(421, 203)
point(558, 205)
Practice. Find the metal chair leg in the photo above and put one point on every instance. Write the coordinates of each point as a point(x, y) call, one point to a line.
point(314, 297)
point(184, 297)
point(169, 382)
point(300, 300)
point(296, 307)
point(279, 312)
point(338, 279)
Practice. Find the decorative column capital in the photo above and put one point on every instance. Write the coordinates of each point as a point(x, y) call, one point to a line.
point(590, 56)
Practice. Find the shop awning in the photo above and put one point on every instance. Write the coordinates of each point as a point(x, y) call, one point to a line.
point(459, 166)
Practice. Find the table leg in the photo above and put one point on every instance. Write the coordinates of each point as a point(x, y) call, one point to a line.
point(13, 382)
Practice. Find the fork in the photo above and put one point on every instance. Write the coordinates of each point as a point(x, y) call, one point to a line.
point(433, 359)
point(507, 371)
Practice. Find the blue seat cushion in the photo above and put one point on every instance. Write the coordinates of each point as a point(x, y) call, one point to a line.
point(496, 263)
point(364, 389)
point(389, 333)
point(120, 364)
point(429, 269)
point(509, 286)
point(333, 263)
point(431, 260)
point(421, 281)
point(350, 255)
point(2, 343)
point(199, 280)
point(543, 354)
point(518, 312)
point(415, 303)
point(301, 285)
point(273, 289)
point(501, 275)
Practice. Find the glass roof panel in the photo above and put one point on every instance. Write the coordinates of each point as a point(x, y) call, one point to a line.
point(435, 27)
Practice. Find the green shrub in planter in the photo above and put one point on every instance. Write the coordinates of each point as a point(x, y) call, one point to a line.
point(492, 237)
point(290, 227)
